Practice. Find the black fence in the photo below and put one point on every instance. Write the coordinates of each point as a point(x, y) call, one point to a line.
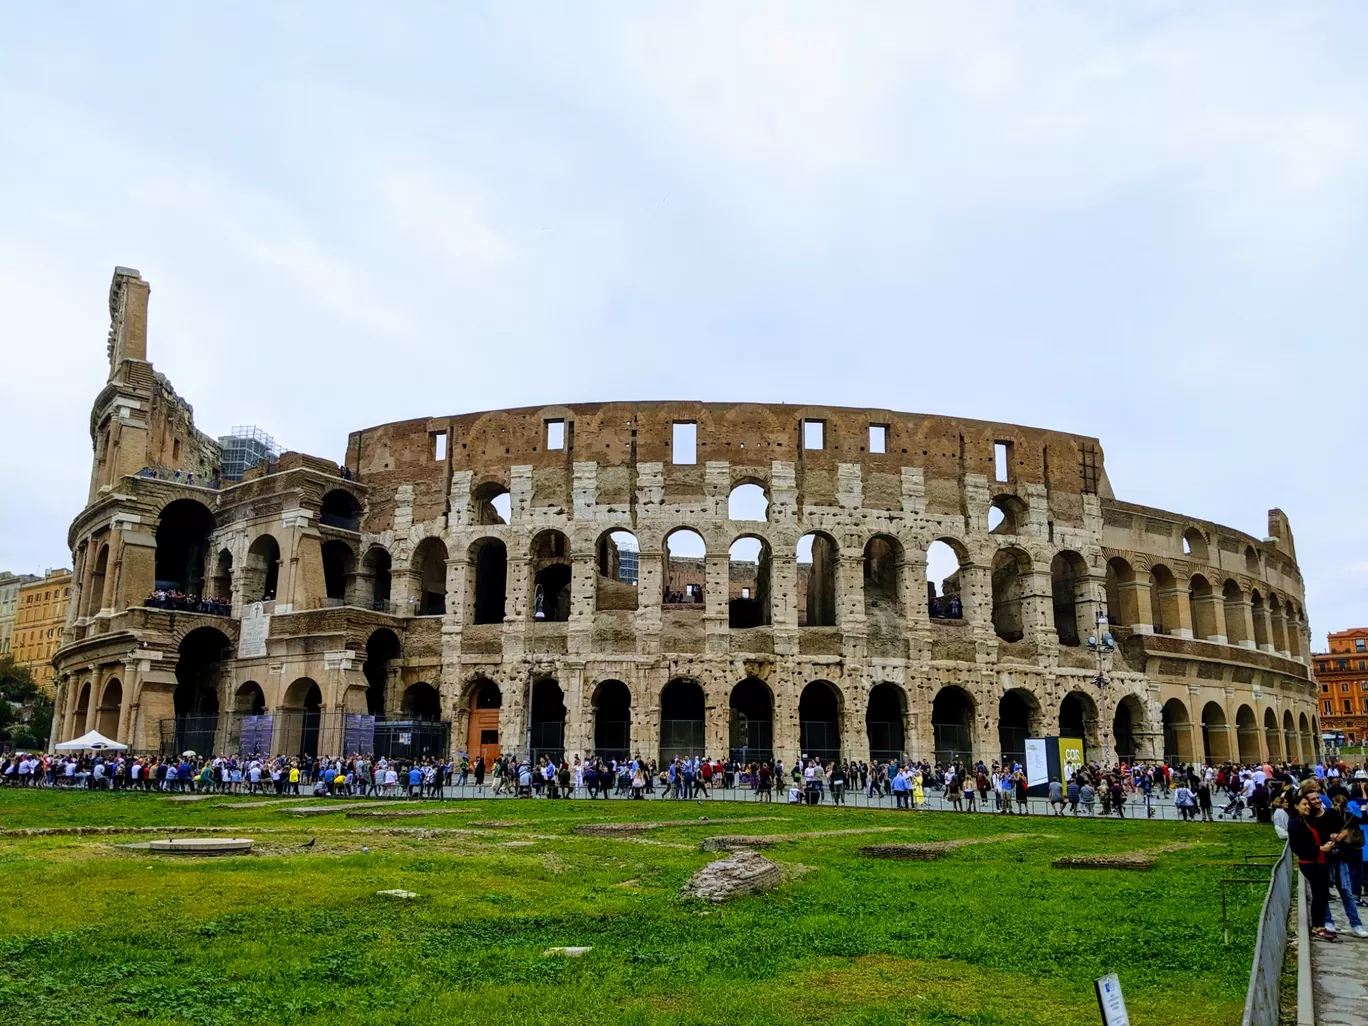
point(297, 733)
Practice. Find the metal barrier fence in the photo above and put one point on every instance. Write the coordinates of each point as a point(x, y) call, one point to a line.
point(1270, 946)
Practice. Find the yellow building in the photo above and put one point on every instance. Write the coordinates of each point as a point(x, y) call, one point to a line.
point(39, 617)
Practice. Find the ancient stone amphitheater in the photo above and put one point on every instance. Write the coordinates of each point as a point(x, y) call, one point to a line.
point(662, 578)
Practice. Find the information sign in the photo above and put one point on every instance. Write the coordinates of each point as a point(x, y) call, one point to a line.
point(1111, 1002)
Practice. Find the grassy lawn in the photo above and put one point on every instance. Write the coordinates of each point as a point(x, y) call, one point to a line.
point(988, 934)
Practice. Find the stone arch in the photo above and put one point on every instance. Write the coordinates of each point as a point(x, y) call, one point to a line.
point(111, 705)
point(748, 500)
point(886, 721)
point(549, 593)
point(429, 575)
point(1130, 713)
point(200, 661)
point(1291, 745)
point(1215, 734)
point(1247, 735)
point(381, 664)
point(1069, 591)
point(1164, 613)
point(1251, 557)
point(339, 569)
point(682, 719)
point(1277, 623)
point(686, 568)
point(1123, 606)
point(547, 717)
point(945, 595)
point(421, 701)
point(483, 728)
point(1177, 726)
point(883, 567)
point(1273, 737)
point(340, 509)
point(1078, 718)
point(1202, 602)
point(184, 528)
point(261, 574)
point(493, 504)
point(751, 721)
point(1018, 719)
point(1195, 545)
point(1236, 616)
point(300, 719)
point(952, 725)
point(749, 566)
point(819, 720)
point(612, 719)
point(817, 554)
point(376, 567)
point(94, 601)
point(221, 585)
point(617, 558)
point(487, 567)
point(249, 699)
point(1307, 740)
point(1011, 576)
point(1259, 613)
point(1007, 514)
point(82, 710)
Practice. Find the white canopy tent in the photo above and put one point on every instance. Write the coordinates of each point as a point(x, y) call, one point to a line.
point(94, 741)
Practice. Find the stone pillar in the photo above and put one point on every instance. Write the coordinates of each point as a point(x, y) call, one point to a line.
point(854, 733)
point(850, 610)
point(1173, 599)
point(1136, 595)
point(1037, 606)
point(1089, 597)
point(976, 594)
point(1211, 607)
point(784, 589)
point(457, 578)
point(1239, 620)
point(1262, 627)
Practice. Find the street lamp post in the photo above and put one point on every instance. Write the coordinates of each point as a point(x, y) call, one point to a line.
point(1104, 645)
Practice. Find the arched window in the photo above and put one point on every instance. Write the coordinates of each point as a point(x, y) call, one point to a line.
point(340, 509)
point(1202, 601)
point(421, 702)
point(817, 553)
point(883, 563)
point(488, 569)
point(612, 720)
point(1164, 593)
point(339, 571)
point(195, 702)
point(1069, 587)
point(493, 504)
point(885, 721)
point(748, 583)
point(382, 656)
point(375, 568)
point(1018, 716)
point(429, 565)
point(682, 730)
point(1195, 544)
point(1006, 515)
point(548, 720)
point(223, 576)
point(1177, 733)
point(1011, 570)
point(686, 571)
point(945, 561)
point(618, 560)
point(952, 724)
point(262, 571)
point(183, 532)
point(819, 721)
point(550, 592)
point(747, 502)
point(751, 723)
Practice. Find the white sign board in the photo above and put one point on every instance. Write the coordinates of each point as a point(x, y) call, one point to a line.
point(252, 632)
point(1037, 762)
point(1111, 1002)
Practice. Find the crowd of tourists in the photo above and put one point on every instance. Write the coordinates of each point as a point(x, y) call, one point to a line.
point(1324, 819)
point(163, 599)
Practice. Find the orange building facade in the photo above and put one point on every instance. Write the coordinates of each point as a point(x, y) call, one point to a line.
point(39, 616)
point(1343, 676)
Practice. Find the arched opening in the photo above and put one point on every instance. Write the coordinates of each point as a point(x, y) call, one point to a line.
point(301, 718)
point(1236, 615)
point(1290, 744)
point(883, 563)
point(944, 564)
point(95, 600)
point(1247, 735)
point(82, 711)
point(612, 720)
point(340, 509)
point(339, 570)
point(1164, 591)
point(748, 501)
point(1129, 712)
point(1215, 734)
point(421, 701)
point(183, 533)
point(952, 724)
point(686, 570)
point(617, 557)
point(262, 573)
point(1069, 587)
point(819, 721)
point(550, 577)
point(1123, 608)
point(482, 736)
point(1293, 616)
point(1006, 515)
point(1202, 602)
point(1177, 733)
point(1195, 544)
point(1273, 737)
point(817, 555)
point(1018, 717)
point(886, 722)
point(222, 584)
point(1307, 741)
point(249, 699)
point(751, 721)
point(493, 504)
point(548, 720)
point(382, 649)
point(1078, 719)
point(1278, 624)
point(488, 587)
point(682, 730)
point(1011, 573)
point(1251, 561)
point(111, 703)
point(195, 702)
point(376, 567)
point(429, 567)
point(748, 583)
point(1259, 614)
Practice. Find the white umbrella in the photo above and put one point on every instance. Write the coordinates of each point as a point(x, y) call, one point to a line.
point(93, 741)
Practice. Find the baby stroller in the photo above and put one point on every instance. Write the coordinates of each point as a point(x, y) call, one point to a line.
point(1234, 807)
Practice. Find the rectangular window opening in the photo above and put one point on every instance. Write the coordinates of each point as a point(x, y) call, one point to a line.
point(814, 434)
point(555, 434)
point(1002, 460)
point(175, 450)
point(878, 438)
point(439, 440)
point(684, 444)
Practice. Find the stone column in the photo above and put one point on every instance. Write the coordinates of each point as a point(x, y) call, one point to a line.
point(717, 571)
point(1262, 626)
point(850, 610)
point(784, 589)
point(1173, 598)
point(1037, 606)
point(976, 594)
point(1136, 595)
point(1239, 620)
point(854, 733)
point(1211, 606)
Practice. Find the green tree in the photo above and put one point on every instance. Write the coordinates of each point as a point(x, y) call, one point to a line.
point(16, 683)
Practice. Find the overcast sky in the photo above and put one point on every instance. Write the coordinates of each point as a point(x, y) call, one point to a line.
point(1140, 221)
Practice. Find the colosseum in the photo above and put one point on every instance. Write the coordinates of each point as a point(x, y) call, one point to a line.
point(659, 578)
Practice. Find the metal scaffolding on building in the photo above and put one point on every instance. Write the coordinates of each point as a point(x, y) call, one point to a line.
point(243, 448)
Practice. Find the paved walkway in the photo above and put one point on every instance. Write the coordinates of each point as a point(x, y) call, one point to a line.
point(1339, 973)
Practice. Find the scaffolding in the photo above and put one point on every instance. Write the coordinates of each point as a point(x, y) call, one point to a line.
point(243, 448)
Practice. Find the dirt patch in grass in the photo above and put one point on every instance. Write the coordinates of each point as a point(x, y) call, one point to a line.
point(735, 843)
point(928, 850)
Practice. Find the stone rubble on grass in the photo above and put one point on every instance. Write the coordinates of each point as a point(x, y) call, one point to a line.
point(405, 895)
point(1135, 860)
point(745, 872)
point(569, 952)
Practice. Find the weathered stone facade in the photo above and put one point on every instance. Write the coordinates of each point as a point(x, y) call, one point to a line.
point(397, 586)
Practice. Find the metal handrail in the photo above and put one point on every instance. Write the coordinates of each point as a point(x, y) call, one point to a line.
point(1270, 945)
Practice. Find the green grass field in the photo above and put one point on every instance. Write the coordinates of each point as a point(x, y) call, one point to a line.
point(988, 934)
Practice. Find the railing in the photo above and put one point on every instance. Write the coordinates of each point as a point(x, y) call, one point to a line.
point(1270, 946)
point(180, 477)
